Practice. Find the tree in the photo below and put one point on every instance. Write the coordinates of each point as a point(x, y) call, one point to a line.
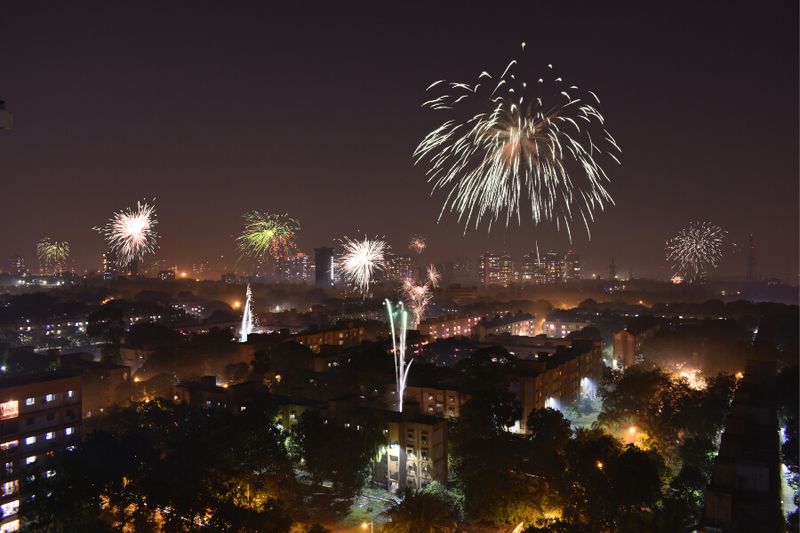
point(419, 512)
point(106, 324)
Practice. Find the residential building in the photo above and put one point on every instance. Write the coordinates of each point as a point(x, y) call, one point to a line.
point(39, 415)
point(400, 268)
point(513, 324)
point(296, 268)
point(572, 267)
point(349, 335)
point(562, 327)
point(324, 275)
point(417, 451)
point(745, 490)
point(449, 326)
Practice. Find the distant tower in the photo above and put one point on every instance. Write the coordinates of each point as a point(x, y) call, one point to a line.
point(324, 275)
point(751, 260)
point(612, 270)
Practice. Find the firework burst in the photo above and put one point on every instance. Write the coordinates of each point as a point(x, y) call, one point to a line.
point(130, 232)
point(514, 146)
point(417, 244)
point(695, 250)
point(361, 260)
point(53, 255)
point(266, 235)
point(418, 296)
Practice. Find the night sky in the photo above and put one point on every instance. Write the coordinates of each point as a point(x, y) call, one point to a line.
point(215, 108)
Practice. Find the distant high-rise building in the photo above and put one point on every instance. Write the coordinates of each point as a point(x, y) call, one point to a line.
point(166, 275)
point(488, 268)
point(552, 267)
point(109, 264)
point(612, 270)
point(529, 268)
point(505, 274)
point(572, 267)
point(400, 268)
point(751, 260)
point(16, 265)
point(296, 268)
point(324, 275)
point(464, 270)
point(200, 270)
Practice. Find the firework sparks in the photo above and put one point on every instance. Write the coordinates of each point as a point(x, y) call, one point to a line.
point(266, 235)
point(53, 255)
point(417, 244)
point(418, 296)
point(512, 142)
point(433, 276)
point(130, 232)
point(695, 250)
point(361, 259)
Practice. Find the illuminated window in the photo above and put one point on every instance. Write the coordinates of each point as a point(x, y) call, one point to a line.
point(70, 393)
point(9, 487)
point(9, 409)
point(30, 440)
point(30, 460)
point(50, 435)
point(8, 527)
point(50, 398)
point(50, 473)
point(9, 445)
point(8, 468)
point(10, 508)
point(69, 431)
point(30, 401)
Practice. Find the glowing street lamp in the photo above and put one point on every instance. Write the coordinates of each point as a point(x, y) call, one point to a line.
point(370, 525)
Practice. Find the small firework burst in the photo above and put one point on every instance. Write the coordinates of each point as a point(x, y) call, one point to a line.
point(53, 255)
point(417, 244)
point(267, 235)
point(695, 250)
point(131, 232)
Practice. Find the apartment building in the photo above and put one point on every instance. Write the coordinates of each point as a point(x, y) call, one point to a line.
point(39, 415)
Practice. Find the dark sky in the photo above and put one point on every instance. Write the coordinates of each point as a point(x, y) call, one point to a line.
point(215, 108)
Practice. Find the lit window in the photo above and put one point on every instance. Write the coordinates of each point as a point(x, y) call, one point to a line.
point(30, 401)
point(10, 508)
point(69, 431)
point(9, 445)
point(70, 393)
point(9, 487)
point(50, 435)
point(50, 473)
point(30, 460)
point(50, 398)
point(8, 527)
point(30, 440)
point(9, 409)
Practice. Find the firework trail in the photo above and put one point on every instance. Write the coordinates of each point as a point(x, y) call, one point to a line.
point(417, 244)
point(130, 232)
point(398, 319)
point(267, 235)
point(53, 255)
point(513, 145)
point(360, 260)
point(418, 296)
point(695, 250)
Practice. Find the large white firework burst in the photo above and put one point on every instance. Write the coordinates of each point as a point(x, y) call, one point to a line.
point(515, 145)
point(361, 260)
point(130, 232)
point(696, 250)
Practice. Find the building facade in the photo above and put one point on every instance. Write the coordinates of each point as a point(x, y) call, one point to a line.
point(39, 415)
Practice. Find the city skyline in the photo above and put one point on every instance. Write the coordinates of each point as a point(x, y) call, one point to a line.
point(241, 113)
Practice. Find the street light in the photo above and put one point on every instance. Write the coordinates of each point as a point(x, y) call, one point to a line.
point(370, 525)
